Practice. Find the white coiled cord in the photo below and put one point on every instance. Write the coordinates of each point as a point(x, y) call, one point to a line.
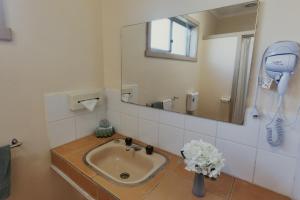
point(277, 124)
point(277, 140)
point(279, 130)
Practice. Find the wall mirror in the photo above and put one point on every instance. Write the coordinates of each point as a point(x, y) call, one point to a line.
point(197, 64)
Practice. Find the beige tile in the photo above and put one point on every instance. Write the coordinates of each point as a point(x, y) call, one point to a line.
point(173, 187)
point(122, 191)
point(85, 143)
point(246, 191)
point(69, 148)
point(220, 187)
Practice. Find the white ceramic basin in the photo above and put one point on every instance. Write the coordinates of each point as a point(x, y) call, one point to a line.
point(129, 167)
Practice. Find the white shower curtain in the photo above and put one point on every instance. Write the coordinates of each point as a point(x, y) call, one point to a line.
point(240, 84)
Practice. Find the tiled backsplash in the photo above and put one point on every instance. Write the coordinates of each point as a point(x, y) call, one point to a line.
point(64, 125)
point(247, 154)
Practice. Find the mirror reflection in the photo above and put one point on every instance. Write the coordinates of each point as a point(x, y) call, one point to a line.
point(197, 64)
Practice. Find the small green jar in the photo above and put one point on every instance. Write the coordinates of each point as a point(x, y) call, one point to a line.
point(104, 132)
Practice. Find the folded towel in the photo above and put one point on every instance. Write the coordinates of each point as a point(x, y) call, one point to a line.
point(5, 158)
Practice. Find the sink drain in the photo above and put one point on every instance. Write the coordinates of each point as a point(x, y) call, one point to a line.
point(124, 175)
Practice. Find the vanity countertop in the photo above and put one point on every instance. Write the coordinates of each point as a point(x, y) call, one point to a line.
point(173, 182)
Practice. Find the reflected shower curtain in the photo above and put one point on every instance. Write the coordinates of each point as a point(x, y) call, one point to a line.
point(241, 78)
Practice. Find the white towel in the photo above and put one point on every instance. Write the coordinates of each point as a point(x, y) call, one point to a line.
point(90, 104)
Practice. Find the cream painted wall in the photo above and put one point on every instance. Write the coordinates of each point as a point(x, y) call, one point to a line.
point(217, 69)
point(118, 13)
point(56, 47)
point(236, 24)
point(152, 75)
point(159, 79)
point(208, 23)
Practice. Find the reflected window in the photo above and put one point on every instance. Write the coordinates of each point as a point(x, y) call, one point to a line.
point(173, 38)
point(160, 34)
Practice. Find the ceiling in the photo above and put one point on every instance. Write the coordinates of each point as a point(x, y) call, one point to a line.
point(235, 10)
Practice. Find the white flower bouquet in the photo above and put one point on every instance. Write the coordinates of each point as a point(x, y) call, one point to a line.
point(203, 158)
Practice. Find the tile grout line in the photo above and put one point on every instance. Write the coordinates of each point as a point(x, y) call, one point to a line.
point(256, 151)
point(231, 191)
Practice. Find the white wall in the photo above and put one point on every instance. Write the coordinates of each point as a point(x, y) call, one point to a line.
point(56, 47)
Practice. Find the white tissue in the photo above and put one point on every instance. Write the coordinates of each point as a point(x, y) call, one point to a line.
point(90, 104)
point(167, 104)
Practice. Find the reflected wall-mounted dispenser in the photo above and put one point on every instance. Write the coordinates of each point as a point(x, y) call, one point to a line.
point(88, 99)
point(192, 101)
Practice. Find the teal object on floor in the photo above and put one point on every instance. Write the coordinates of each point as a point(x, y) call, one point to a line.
point(5, 172)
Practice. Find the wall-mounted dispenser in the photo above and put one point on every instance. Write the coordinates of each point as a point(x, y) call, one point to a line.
point(88, 99)
point(279, 62)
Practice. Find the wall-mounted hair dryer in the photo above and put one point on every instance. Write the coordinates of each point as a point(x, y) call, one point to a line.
point(279, 61)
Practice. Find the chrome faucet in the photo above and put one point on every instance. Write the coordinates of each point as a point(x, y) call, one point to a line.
point(134, 147)
point(130, 145)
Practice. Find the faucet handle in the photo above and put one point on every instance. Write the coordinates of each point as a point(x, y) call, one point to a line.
point(149, 149)
point(128, 141)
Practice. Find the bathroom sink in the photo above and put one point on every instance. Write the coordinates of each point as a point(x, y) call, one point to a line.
point(122, 164)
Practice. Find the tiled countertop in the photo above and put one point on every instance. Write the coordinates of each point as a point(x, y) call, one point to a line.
point(173, 182)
